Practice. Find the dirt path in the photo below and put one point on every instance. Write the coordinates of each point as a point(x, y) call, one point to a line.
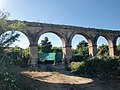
point(56, 78)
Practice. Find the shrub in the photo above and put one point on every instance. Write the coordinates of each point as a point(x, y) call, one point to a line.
point(97, 66)
point(78, 58)
point(7, 78)
point(10, 78)
point(78, 67)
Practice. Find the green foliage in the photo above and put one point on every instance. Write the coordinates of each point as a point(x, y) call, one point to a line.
point(82, 44)
point(3, 15)
point(7, 79)
point(56, 49)
point(39, 49)
point(103, 50)
point(8, 38)
point(103, 66)
point(81, 52)
point(25, 52)
point(79, 58)
point(6, 26)
point(118, 49)
point(18, 56)
point(10, 76)
point(3, 23)
point(18, 25)
point(78, 67)
point(82, 49)
point(45, 46)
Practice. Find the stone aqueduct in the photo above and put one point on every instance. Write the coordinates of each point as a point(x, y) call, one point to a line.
point(34, 30)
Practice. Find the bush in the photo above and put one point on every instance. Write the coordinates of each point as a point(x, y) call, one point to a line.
point(7, 78)
point(79, 58)
point(10, 78)
point(97, 66)
point(78, 67)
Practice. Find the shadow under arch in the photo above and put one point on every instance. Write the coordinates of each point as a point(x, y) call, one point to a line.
point(23, 38)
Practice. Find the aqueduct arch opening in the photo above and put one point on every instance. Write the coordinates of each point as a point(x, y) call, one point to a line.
point(86, 38)
point(102, 42)
point(56, 43)
point(118, 41)
point(110, 43)
point(58, 34)
point(22, 41)
point(76, 39)
point(53, 38)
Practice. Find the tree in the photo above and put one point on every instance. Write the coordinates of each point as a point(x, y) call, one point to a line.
point(56, 49)
point(82, 48)
point(45, 46)
point(8, 38)
point(103, 50)
point(8, 75)
point(82, 44)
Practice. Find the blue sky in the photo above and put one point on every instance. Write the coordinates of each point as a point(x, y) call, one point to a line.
point(103, 14)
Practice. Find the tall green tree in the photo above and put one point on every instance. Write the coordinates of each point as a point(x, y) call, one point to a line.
point(45, 46)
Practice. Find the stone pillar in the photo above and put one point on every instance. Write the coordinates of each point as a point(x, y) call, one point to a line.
point(112, 51)
point(67, 53)
point(92, 50)
point(33, 54)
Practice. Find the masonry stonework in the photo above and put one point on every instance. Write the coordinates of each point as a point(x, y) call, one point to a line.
point(34, 30)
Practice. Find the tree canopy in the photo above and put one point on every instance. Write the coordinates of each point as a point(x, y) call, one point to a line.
point(103, 50)
point(7, 39)
point(45, 46)
point(82, 48)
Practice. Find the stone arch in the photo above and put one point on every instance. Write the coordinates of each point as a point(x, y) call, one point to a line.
point(58, 33)
point(76, 39)
point(117, 41)
point(88, 38)
point(116, 38)
point(109, 40)
point(110, 43)
point(25, 34)
point(53, 38)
